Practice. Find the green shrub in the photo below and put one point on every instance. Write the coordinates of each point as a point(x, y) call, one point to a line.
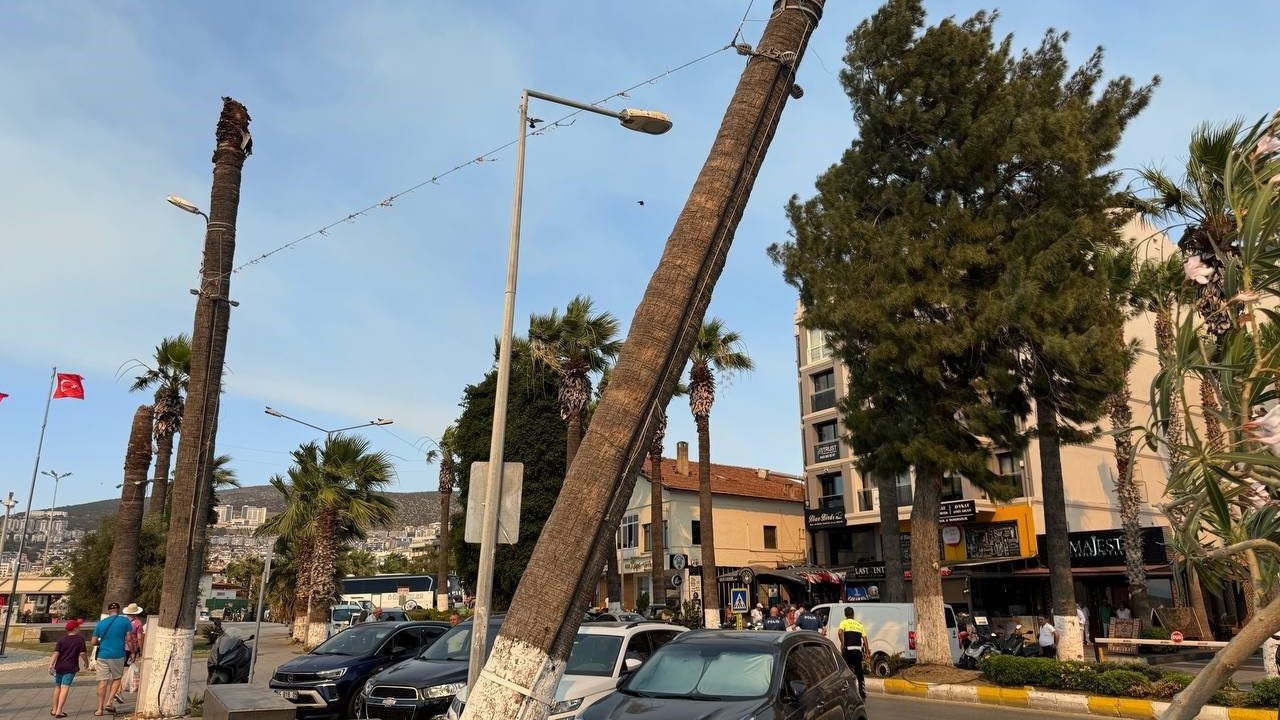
point(1170, 684)
point(1264, 693)
point(423, 613)
point(1124, 683)
point(1017, 671)
point(1075, 675)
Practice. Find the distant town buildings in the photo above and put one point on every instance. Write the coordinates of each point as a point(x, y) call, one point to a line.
point(43, 523)
point(249, 516)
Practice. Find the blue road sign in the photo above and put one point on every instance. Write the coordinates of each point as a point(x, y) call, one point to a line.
point(738, 599)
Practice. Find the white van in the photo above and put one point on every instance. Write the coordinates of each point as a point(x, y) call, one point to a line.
point(891, 630)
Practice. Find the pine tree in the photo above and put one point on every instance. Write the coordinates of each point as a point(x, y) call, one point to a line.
point(921, 237)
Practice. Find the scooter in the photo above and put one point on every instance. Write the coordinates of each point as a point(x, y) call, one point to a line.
point(1015, 643)
point(978, 649)
point(229, 660)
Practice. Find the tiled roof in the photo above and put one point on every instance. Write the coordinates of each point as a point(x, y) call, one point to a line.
point(733, 480)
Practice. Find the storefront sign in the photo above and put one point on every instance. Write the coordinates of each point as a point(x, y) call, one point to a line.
point(994, 540)
point(1096, 548)
point(823, 452)
point(951, 535)
point(866, 571)
point(957, 511)
point(824, 518)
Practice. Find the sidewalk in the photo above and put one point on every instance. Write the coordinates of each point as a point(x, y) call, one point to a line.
point(26, 689)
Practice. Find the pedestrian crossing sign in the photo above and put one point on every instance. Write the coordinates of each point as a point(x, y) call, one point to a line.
point(738, 600)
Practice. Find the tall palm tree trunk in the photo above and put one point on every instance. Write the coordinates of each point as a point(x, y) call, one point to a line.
point(1057, 551)
point(657, 551)
point(442, 578)
point(895, 587)
point(302, 593)
point(1128, 495)
point(169, 675)
point(706, 523)
point(123, 568)
point(573, 433)
point(324, 555)
point(160, 483)
point(933, 646)
point(543, 619)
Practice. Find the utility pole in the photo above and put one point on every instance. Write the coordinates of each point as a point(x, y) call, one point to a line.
point(170, 673)
point(519, 680)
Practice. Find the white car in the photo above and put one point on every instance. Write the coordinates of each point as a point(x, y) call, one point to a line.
point(602, 653)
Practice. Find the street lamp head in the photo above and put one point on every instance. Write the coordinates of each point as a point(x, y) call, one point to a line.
point(382, 421)
point(184, 204)
point(651, 122)
point(272, 412)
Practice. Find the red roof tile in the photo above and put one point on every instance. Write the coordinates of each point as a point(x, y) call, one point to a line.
point(733, 480)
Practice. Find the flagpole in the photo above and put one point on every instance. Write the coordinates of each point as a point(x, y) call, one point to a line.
point(26, 518)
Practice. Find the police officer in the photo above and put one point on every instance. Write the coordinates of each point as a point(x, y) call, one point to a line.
point(852, 635)
point(775, 621)
point(807, 619)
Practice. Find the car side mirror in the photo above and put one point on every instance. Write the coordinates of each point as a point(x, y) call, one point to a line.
point(631, 665)
point(797, 688)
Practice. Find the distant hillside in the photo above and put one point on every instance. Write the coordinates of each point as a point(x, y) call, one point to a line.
point(412, 508)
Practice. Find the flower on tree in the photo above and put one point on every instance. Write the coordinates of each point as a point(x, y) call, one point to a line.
point(1267, 145)
point(1197, 271)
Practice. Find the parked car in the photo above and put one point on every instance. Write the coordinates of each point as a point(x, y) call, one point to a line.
point(602, 652)
point(891, 630)
point(423, 686)
point(341, 615)
point(326, 682)
point(388, 615)
point(732, 674)
point(626, 617)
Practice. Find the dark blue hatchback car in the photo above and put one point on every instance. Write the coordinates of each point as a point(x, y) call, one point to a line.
point(326, 682)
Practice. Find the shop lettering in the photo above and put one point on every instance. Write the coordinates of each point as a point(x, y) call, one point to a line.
point(1096, 547)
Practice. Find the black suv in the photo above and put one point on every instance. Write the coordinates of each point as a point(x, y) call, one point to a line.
point(326, 682)
point(716, 674)
point(422, 687)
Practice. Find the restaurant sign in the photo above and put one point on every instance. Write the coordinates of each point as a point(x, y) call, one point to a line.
point(1097, 548)
point(824, 518)
point(957, 511)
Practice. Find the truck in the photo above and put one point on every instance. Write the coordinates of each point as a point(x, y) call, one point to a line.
point(891, 630)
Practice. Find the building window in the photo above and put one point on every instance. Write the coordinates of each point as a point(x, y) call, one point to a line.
point(629, 532)
point(819, 348)
point(904, 488)
point(831, 487)
point(695, 533)
point(645, 535)
point(824, 391)
point(770, 537)
point(952, 487)
point(827, 441)
point(1009, 468)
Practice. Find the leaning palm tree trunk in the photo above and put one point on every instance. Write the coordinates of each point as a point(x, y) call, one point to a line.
point(543, 619)
point(123, 568)
point(169, 675)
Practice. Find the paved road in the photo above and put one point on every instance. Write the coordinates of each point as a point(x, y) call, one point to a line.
point(895, 708)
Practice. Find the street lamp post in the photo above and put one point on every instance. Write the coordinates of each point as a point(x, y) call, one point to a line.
point(645, 121)
point(48, 535)
point(8, 503)
point(327, 433)
point(262, 594)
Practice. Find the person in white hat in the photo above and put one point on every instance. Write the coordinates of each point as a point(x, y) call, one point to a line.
point(137, 632)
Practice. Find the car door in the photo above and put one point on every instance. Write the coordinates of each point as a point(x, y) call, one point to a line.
point(953, 632)
point(639, 647)
point(825, 694)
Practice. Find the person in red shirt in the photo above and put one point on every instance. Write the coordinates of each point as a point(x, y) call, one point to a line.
point(69, 656)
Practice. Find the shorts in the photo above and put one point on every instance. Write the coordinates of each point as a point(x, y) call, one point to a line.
point(64, 678)
point(110, 669)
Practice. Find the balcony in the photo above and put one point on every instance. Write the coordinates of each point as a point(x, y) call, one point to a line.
point(822, 400)
point(865, 500)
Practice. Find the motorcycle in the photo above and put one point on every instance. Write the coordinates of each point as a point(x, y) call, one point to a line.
point(1016, 643)
point(229, 660)
point(979, 648)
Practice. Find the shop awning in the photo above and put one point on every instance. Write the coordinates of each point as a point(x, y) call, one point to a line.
point(1091, 571)
point(799, 576)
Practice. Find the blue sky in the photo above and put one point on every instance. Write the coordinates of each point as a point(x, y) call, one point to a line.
point(111, 106)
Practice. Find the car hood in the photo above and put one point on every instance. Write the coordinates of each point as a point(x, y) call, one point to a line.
point(419, 673)
point(619, 705)
point(581, 686)
point(316, 663)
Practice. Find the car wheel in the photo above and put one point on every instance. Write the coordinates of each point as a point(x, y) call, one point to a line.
point(411, 605)
point(880, 665)
point(354, 710)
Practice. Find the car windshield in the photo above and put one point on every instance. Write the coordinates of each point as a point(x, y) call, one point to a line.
point(700, 672)
point(593, 655)
point(342, 614)
point(456, 644)
point(359, 640)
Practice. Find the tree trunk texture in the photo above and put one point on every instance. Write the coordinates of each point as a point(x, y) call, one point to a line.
point(123, 568)
point(1186, 705)
point(706, 524)
point(1057, 551)
point(1165, 349)
point(324, 554)
point(442, 580)
point(895, 588)
point(658, 573)
point(933, 646)
point(573, 438)
point(544, 615)
point(302, 591)
point(1209, 409)
point(185, 545)
point(168, 674)
point(1196, 597)
point(1129, 499)
point(160, 482)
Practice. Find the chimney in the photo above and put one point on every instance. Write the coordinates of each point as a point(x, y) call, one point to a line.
point(762, 473)
point(682, 458)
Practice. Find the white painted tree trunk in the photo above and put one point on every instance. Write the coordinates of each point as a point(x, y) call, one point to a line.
point(711, 618)
point(168, 674)
point(1269, 657)
point(299, 633)
point(491, 699)
point(1070, 637)
point(317, 632)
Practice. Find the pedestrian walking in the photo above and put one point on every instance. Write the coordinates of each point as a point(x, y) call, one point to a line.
point(109, 637)
point(807, 619)
point(1048, 639)
point(69, 656)
point(1082, 614)
point(775, 621)
point(757, 615)
point(852, 634)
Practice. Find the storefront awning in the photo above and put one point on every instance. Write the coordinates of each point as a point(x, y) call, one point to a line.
point(1162, 570)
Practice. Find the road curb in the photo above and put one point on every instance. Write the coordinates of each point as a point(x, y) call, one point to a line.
point(1032, 699)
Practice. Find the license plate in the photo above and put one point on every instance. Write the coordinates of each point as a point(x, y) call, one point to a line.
point(289, 694)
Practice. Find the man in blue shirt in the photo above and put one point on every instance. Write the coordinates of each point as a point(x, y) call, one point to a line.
point(109, 637)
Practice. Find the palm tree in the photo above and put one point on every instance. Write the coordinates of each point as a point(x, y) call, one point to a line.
point(188, 532)
point(574, 345)
point(658, 575)
point(341, 482)
point(295, 531)
point(169, 378)
point(448, 457)
point(123, 567)
point(715, 350)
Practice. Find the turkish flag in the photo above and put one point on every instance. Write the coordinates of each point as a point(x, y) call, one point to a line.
point(2, 397)
point(69, 386)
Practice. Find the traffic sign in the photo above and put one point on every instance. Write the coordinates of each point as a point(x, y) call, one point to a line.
point(1176, 636)
point(738, 600)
